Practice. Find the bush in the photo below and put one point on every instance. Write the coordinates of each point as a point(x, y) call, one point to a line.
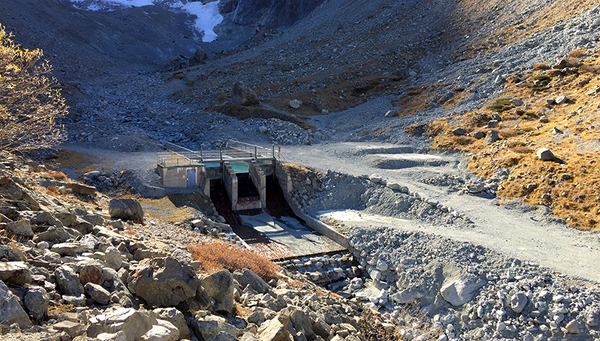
point(577, 53)
point(30, 102)
point(58, 175)
point(501, 104)
point(217, 256)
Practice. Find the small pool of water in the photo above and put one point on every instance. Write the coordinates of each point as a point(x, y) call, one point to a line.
point(238, 166)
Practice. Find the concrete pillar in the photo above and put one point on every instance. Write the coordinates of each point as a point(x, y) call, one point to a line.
point(230, 181)
point(259, 180)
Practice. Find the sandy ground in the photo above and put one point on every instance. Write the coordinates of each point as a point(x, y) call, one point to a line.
point(515, 230)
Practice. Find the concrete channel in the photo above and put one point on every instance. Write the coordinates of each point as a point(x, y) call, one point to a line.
point(251, 190)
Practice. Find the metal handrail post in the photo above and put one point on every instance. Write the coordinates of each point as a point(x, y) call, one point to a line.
point(255, 152)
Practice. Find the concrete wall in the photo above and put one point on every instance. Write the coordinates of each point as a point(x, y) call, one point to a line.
point(259, 180)
point(230, 181)
point(284, 180)
point(176, 177)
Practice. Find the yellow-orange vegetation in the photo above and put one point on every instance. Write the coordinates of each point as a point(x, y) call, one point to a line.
point(217, 256)
point(570, 187)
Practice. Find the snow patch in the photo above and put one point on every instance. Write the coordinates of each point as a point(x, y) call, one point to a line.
point(207, 16)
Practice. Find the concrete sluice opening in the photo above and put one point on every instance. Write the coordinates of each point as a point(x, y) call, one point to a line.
point(274, 231)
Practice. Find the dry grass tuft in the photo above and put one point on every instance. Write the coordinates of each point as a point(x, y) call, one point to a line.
point(59, 309)
point(217, 256)
point(541, 66)
point(58, 175)
point(577, 53)
point(570, 187)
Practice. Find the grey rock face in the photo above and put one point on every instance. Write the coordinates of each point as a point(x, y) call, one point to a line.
point(461, 291)
point(491, 137)
point(21, 227)
point(248, 277)
point(68, 281)
point(220, 287)
point(133, 323)
point(97, 293)
point(36, 301)
point(518, 302)
point(10, 308)
point(176, 318)
point(16, 273)
point(244, 95)
point(163, 282)
point(545, 154)
point(126, 209)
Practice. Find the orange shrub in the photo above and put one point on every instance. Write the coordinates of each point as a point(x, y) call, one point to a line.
point(540, 66)
point(577, 53)
point(58, 175)
point(217, 256)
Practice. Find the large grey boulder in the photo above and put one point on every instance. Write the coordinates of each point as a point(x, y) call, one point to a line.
point(11, 310)
point(163, 331)
point(56, 235)
point(211, 326)
point(16, 273)
point(243, 94)
point(163, 282)
point(133, 323)
point(219, 286)
point(248, 277)
point(97, 293)
point(462, 290)
point(21, 227)
point(69, 249)
point(126, 209)
point(545, 154)
point(300, 321)
point(275, 329)
point(40, 218)
point(12, 191)
point(176, 318)
point(36, 301)
point(68, 281)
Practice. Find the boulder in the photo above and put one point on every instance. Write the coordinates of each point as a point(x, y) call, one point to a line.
point(163, 331)
point(295, 104)
point(461, 291)
point(97, 293)
point(69, 249)
point(244, 95)
point(248, 277)
point(11, 310)
point(21, 227)
point(491, 137)
point(209, 329)
point(133, 323)
point(56, 235)
point(126, 209)
point(82, 189)
point(113, 258)
point(40, 218)
point(73, 329)
point(176, 318)
point(545, 154)
point(163, 282)
point(66, 218)
point(300, 321)
point(12, 191)
point(36, 301)
point(199, 57)
point(68, 281)
point(459, 131)
point(392, 113)
point(518, 302)
point(219, 286)
point(91, 273)
point(275, 329)
point(16, 273)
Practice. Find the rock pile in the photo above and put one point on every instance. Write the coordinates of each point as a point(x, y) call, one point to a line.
point(472, 293)
point(70, 274)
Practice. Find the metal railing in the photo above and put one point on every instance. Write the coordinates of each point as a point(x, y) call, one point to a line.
point(233, 150)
